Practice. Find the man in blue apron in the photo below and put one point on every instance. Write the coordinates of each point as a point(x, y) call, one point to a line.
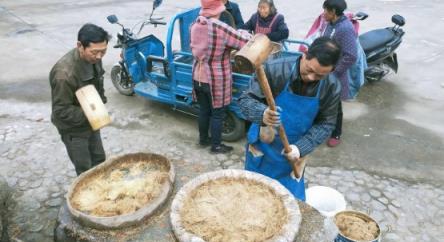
point(308, 106)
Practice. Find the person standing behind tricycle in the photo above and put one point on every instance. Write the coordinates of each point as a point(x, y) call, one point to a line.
point(233, 16)
point(211, 44)
point(267, 21)
point(341, 29)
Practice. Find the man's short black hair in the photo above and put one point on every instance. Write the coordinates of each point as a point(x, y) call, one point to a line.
point(325, 50)
point(337, 6)
point(91, 33)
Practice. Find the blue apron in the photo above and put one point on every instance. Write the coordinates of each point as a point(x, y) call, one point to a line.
point(298, 114)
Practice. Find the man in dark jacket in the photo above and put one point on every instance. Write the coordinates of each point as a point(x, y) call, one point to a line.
point(308, 101)
point(236, 16)
point(79, 67)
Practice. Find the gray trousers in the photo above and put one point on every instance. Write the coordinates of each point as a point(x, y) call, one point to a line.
point(85, 150)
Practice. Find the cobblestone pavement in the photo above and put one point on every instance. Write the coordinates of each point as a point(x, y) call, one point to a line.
point(34, 163)
point(390, 164)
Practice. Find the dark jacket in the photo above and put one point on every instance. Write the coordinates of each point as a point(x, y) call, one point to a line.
point(279, 30)
point(68, 75)
point(278, 72)
point(233, 9)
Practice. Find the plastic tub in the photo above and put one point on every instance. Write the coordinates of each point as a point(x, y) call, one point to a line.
point(326, 200)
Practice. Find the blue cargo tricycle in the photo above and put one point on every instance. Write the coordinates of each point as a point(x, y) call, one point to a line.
point(145, 69)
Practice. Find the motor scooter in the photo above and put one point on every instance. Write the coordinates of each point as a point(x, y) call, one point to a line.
point(124, 75)
point(161, 73)
point(379, 46)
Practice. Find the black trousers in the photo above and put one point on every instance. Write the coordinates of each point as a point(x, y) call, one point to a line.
point(337, 132)
point(85, 150)
point(208, 115)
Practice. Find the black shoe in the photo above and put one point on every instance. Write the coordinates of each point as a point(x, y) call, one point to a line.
point(221, 149)
point(205, 142)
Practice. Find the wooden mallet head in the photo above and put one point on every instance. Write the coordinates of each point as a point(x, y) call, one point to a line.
point(254, 53)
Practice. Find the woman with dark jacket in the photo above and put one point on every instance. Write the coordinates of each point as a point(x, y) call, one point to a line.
point(341, 30)
point(268, 21)
point(233, 16)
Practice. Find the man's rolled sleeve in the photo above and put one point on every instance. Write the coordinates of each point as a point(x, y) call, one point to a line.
point(251, 108)
point(317, 134)
point(325, 121)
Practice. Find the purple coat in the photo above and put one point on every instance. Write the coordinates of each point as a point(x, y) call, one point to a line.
point(343, 32)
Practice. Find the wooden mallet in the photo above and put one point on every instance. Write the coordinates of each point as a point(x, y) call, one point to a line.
point(249, 59)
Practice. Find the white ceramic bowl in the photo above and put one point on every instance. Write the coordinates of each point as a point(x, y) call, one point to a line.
point(326, 200)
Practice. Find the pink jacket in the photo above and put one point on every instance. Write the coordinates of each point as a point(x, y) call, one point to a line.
point(214, 58)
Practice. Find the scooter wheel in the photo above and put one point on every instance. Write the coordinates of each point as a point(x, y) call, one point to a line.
point(121, 81)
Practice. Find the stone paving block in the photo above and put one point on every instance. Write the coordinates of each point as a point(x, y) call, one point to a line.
point(377, 215)
point(40, 194)
point(393, 209)
point(389, 217)
point(32, 205)
point(354, 197)
point(375, 193)
point(36, 226)
point(376, 205)
point(221, 157)
point(56, 194)
point(12, 181)
point(436, 232)
point(392, 237)
point(35, 184)
point(229, 162)
point(235, 157)
point(358, 189)
point(365, 197)
point(396, 203)
point(389, 195)
point(54, 202)
point(383, 200)
point(336, 172)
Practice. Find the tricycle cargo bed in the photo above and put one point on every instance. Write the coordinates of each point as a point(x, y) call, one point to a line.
point(168, 78)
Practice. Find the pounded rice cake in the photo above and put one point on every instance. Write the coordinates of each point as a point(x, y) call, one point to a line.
point(122, 190)
point(227, 210)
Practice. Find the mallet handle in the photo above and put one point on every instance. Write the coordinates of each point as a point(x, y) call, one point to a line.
point(263, 82)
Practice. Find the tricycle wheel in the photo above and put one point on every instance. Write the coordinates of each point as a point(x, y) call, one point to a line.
point(121, 81)
point(233, 127)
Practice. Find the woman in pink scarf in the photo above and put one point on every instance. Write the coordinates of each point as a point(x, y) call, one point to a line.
point(211, 45)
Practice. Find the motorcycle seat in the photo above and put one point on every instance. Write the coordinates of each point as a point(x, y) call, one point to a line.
point(375, 39)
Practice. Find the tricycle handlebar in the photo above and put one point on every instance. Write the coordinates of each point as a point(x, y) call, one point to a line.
point(155, 22)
